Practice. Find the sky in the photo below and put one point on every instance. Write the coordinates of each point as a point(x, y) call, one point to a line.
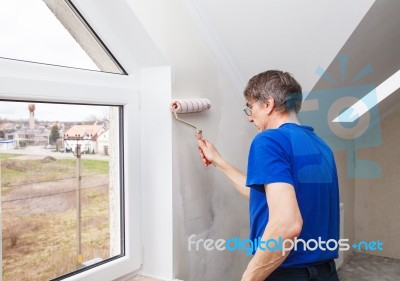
point(52, 112)
point(29, 31)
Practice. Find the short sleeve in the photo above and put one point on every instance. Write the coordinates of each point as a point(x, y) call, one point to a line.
point(269, 160)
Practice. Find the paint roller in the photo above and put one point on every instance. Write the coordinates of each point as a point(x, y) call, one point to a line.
point(189, 106)
point(183, 106)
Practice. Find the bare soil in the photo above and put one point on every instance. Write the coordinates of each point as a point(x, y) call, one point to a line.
point(39, 223)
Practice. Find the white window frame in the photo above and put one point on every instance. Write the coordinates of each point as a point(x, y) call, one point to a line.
point(38, 82)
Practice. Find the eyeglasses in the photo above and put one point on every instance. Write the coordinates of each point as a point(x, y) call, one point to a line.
point(248, 109)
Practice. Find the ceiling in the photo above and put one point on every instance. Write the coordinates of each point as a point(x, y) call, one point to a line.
point(247, 37)
point(296, 36)
point(376, 43)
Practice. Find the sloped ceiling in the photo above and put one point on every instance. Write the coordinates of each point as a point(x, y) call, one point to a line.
point(297, 36)
point(247, 37)
point(374, 44)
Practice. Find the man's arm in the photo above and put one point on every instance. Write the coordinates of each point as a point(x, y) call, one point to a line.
point(285, 222)
point(210, 154)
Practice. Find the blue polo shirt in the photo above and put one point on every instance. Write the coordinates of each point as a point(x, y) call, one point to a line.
point(294, 154)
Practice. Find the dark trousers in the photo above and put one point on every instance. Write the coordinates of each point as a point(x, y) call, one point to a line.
point(321, 272)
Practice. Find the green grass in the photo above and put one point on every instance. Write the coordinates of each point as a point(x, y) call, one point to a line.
point(88, 166)
point(4, 156)
point(16, 172)
point(95, 166)
point(19, 172)
point(8, 176)
point(66, 161)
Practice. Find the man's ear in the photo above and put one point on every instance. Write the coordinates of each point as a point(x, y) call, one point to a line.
point(269, 105)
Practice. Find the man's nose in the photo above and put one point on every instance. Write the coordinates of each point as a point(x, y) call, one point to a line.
point(250, 118)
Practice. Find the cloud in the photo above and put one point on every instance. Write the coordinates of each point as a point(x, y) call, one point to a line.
point(52, 112)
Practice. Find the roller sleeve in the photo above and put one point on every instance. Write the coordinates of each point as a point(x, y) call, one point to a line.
point(190, 105)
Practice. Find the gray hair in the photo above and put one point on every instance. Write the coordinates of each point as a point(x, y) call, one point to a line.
point(279, 85)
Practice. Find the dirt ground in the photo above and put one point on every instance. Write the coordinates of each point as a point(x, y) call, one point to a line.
point(53, 196)
point(38, 206)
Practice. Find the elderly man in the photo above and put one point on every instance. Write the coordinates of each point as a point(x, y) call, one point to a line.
point(291, 185)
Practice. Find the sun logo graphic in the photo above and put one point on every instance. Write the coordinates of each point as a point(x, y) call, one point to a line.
point(346, 117)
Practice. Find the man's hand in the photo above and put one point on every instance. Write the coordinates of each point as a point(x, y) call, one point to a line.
point(208, 153)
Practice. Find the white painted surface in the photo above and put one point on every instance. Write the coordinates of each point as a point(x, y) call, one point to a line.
point(296, 36)
point(156, 172)
point(123, 34)
point(370, 100)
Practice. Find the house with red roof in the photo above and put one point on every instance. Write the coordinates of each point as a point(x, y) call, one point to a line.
point(84, 135)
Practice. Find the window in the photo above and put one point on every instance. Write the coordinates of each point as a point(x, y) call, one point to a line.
point(61, 188)
point(56, 34)
point(78, 97)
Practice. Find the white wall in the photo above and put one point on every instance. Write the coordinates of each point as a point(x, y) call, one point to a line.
point(156, 172)
point(204, 203)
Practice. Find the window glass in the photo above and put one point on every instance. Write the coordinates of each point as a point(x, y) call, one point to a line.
point(61, 188)
point(51, 32)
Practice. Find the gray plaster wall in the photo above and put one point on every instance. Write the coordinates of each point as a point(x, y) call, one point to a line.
point(204, 202)
point(371, 206)
point(347, 197)
point(377, 208)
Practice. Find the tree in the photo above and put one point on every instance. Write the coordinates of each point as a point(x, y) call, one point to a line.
point(54, 134)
